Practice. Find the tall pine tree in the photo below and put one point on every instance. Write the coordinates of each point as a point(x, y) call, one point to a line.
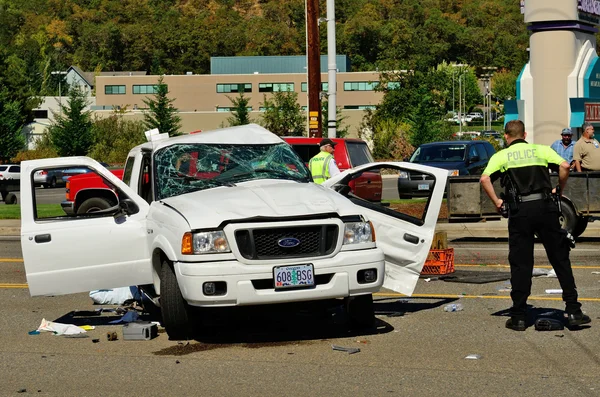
point(71, 132)
point(162, 114)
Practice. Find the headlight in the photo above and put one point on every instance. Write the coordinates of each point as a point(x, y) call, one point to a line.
point(403, 174)
point(358, 232)
point(453, 172)
point(204, 243)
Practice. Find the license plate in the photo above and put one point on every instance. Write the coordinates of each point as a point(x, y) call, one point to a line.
point(423, 186)
point(296, 276)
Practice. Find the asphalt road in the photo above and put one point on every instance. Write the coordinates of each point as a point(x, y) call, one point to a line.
point(416, 349)
point(45, 195)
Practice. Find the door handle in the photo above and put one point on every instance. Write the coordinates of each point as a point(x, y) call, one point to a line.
point(368, 181)
point(411, 239)
point(43, 238)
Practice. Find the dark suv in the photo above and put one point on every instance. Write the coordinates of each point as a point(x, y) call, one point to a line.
point(458, 157)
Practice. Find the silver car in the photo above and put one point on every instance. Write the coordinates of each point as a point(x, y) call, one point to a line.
point(48, 178)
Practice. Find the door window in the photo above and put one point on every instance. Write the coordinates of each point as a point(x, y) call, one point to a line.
point(86, 193)
point(403, 194)
point(481, 152)
point(359, 153)
point(306, 152)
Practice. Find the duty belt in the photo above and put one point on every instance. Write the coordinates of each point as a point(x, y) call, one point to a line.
point(533, 197)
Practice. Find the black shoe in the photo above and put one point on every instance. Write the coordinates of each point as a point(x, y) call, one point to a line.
point(577, 319)
point(548, 324)
point(516, 324)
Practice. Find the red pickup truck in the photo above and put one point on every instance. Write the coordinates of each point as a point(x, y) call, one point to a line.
point(349, 153)
point(87, 193)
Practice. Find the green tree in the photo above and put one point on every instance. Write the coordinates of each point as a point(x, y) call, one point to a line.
point(504, 85)
point(241, 113)
point(162, 114)
point(114, 137)
point(71, 131)
point(11, 125)
point(283, 115)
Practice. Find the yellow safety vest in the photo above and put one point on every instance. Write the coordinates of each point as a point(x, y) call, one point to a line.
point(319, 167)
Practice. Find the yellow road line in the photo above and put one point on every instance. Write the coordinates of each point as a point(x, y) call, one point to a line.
point(507, 266)
point(4, 285)
point(11, 260)
point(450, 296)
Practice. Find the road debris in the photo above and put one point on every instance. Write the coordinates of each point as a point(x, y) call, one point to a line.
point(554, 291)
point(349, 350)
point(473, 357)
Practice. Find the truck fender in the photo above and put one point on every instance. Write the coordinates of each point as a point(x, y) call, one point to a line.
point(85, 194)
point(161, 249)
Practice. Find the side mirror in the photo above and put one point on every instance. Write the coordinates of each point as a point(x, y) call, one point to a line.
point(128, 206)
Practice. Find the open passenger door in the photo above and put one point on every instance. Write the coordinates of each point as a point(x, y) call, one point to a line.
point(95, 249)
point(404, 228)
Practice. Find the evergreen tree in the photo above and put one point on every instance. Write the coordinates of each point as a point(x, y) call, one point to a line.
point(283, 115)
point(162, 114)
point(71, 132)
point(11, 125)
point(241, 114)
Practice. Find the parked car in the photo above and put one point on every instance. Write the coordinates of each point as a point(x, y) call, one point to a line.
point(493, 134)
point(10, 171)
point(48, 178)
point(349, 153)
point(69, 172)
point(458, 157)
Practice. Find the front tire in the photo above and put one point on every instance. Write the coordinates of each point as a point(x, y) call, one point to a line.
point(361, 312)
point(11, 198)
point(175, 311)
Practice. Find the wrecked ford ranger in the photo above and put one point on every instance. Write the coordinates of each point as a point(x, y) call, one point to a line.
point(226, 218)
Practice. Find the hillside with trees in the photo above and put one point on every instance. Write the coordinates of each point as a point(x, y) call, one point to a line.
point(179, 36)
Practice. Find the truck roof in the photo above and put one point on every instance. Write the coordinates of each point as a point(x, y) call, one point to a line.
point(240, 135)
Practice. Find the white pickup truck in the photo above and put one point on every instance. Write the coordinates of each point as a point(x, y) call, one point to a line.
point(224, 218)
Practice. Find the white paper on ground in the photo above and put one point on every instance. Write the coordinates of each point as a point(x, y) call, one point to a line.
point(59, 328)
point(554, 291)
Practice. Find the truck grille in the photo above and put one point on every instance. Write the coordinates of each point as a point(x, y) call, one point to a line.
point(419, 176)
point(315, 240)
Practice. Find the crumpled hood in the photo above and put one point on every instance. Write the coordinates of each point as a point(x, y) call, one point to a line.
point(260, 198)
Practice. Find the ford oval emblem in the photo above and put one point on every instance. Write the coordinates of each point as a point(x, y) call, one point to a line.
point(288, 242)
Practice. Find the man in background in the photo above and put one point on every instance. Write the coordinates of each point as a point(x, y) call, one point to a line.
point(322, 166)
point(564, 146)
point(586, 152)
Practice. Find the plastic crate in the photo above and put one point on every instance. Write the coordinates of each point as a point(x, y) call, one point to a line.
point(439, 262)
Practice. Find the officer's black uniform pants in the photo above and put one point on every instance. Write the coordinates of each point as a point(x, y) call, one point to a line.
point(539, 217)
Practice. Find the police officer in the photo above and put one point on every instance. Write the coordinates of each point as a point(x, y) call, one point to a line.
point(523, 168)
point(322, 166)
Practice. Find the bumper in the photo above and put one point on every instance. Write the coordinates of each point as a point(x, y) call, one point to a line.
point(249, 284)
point(407, 187)
point(68, 207)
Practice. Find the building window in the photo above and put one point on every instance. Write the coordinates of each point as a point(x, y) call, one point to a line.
point(360, 86)
point(114, 89)
point(40, 114)
point(145, 89)
point(230, 109)
point(235, 87)
point(304, 108)
point(274, 87)
point(324, 87)
point(359, 107)
point(393, 85)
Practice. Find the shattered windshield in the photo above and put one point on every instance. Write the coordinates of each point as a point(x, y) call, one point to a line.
point(185, 168)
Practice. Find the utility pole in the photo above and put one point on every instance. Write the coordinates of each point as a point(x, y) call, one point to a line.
point(313, 54)
point(331, 72)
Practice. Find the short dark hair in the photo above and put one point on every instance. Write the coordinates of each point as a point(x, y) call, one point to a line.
point(586, 125)
point(515, 129)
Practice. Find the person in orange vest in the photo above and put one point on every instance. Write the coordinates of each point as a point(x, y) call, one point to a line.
point(322, 166)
